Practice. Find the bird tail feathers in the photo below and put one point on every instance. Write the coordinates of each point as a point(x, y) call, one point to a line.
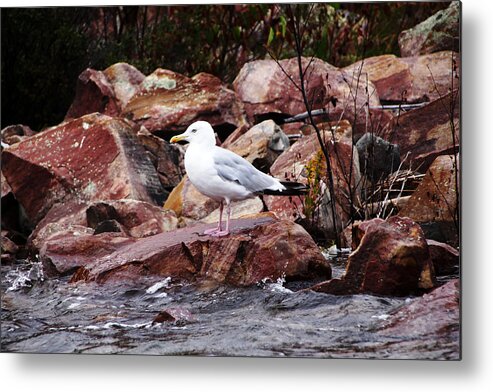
point(292, 189)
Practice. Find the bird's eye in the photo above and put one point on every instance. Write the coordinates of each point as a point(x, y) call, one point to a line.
point(194, 130)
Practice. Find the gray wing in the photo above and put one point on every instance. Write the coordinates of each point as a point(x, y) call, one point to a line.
point(232, 167)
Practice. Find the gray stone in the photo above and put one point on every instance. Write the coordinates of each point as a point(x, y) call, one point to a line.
point(377, 157)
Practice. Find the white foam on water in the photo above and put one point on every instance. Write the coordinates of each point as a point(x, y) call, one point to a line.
point(381, 316)
point(159, 285)
point(20, 279)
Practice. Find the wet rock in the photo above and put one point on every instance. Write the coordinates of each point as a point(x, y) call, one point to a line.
point(166, 158)
point(440, 31)
point(292, 166)
point(435, 313)
point(168, 101)
point(377, 157)
point(265, 89)
point(256, 249)
point(434, 204)
point(392, 258)
point(444, 257)
point(95, 157)
point(64, 252)
point(15, 133)
point(174, 315)
point(410, 79)
point(260, 145)
point(425, 133)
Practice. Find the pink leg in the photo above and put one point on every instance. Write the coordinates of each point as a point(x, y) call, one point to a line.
point(221, 233)
point(219, 227)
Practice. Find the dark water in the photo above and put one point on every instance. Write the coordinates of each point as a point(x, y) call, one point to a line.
point(270, 319)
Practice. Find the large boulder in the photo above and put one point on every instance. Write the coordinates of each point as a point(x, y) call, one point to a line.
point(168, 101)
point(105, 92)
point(392, 258)
point(255, 250)
point(94, 157)
point(425, 133)
point(304, 162)
point(260, 145)
point(440, 31)
point(270, 87)
point(410, 79)
point(435, 203)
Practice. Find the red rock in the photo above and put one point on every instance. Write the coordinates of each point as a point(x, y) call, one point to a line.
point(440, 31)
point(139, 219)
point(125, 80)
point(425, 133)
point(91, 158)
point(94, 93)
point(64, 252)
point(436, 313)
point(391, 259)
point(433, 75)
point(444, 257)
point(15, 133)
point(174, 314)
point(168, 101)
point(135, 218)
point(167, 158)
point(412, 79)
point(8, 246)
point(264, 88)
point(434, 203)
point(256, 249)
point(66, 217)
point(291, 166)
point(105, 92)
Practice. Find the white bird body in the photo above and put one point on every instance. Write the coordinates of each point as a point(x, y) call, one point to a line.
point(223, 175)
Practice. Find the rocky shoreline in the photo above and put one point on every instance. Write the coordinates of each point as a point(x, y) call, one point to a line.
point(102, 197)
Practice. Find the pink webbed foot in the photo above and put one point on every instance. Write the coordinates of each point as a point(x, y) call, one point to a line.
point(212, 231)
point(219, 233)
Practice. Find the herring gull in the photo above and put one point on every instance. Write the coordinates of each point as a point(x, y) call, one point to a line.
point(225, 176)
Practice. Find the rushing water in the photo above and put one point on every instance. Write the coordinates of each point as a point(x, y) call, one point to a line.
point(270, 319)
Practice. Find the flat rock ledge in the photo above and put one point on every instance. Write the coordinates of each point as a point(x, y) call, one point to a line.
point(257, 248)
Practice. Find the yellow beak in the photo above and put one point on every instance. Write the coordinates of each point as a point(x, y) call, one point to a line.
point(177, 138)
